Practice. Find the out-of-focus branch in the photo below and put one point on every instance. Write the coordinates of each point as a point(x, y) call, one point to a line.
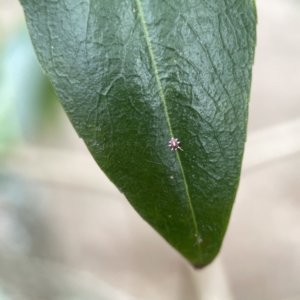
point(80, 170)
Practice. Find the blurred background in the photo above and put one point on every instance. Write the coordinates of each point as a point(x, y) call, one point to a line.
point(67, 233)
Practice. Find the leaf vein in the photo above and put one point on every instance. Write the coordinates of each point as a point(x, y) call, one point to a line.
point(151, 53)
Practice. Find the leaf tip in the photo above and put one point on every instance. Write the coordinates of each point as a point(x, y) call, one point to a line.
point(199, 266)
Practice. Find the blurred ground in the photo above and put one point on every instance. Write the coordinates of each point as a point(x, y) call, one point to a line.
point(67, 233)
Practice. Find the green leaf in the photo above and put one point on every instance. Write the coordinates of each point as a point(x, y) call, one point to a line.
point(131, 74)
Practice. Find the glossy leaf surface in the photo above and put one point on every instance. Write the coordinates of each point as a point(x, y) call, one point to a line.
point(131, 74)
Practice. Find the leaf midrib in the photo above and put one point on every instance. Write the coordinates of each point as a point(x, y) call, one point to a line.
point(161, 92)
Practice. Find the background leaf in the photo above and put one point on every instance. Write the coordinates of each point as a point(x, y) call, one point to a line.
point(131, 75)
point(25, 115)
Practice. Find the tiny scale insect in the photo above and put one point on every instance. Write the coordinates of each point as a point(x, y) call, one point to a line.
point(174, 144)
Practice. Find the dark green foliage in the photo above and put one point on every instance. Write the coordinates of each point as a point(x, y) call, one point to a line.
point(133, 73)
